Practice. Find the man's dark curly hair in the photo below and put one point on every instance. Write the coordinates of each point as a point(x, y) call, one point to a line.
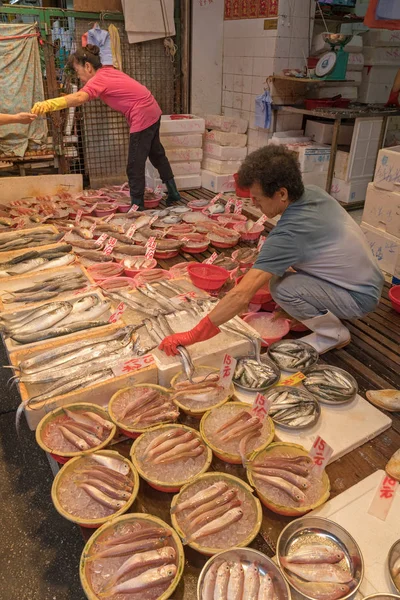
point(273, 167)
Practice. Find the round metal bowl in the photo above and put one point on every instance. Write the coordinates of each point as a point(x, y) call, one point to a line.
point(393, 556)
point(266, 361)
point(337, 39)
point(314, 353)
point(247, 556)
point(318, 530)
point(301, 393)
point(382, 596)
point(347, 375)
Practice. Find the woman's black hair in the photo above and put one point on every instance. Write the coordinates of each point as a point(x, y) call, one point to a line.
point(89, 54)
point(272, 167)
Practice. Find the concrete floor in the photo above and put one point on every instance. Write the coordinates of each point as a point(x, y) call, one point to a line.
point(39, 550)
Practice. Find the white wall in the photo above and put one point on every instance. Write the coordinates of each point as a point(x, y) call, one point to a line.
point(206, 65)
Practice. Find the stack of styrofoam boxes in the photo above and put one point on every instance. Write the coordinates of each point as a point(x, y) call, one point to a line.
point(381, 216)
point(225, 146)
point(182, 140)
point(382, 60)
point(354, 67)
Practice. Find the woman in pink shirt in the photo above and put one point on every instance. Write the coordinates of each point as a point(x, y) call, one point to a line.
point(132, 99)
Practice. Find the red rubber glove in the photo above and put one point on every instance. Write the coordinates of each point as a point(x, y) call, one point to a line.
point(205, 330)
point(393, 99)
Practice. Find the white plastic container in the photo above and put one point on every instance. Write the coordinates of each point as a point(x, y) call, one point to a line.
point(225, 123)
point(236, 140)
point(322, 132)
point(385, 247)
point(382, 210)
point(349, 191)
point(217, 183)
point(312, 157)
point(189, 140)
point(223, 152)
point(222, 167)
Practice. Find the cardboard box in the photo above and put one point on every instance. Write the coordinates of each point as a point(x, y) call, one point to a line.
point(183, 140)
point(192, 124)
point(217, 183)
point(222, 167)
point(382, 210)
point(192, 167)
point(312, 157)
point(184, 154)
point(385, 247)
point(224, 123)
point(223, 152)
point(322, 132)
point(349, 191)
point(236, 140)
point(387, 171)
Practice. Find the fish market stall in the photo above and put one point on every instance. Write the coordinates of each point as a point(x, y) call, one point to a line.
point(195, 468)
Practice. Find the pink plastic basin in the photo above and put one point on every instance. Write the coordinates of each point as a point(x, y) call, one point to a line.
point(270, 329)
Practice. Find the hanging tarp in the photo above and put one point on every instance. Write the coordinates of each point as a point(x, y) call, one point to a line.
point(21, 85)
point(383, 14)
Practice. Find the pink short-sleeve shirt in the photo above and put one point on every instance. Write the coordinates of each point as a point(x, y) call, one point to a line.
point(125, 95)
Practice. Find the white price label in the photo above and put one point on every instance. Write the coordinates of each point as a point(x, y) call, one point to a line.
point(116, 315)
point(21, 223)
point(100, 241)
point(238, 207)
point(150, 247)
point(227, 370)
point(78, 216)
point(210, 259)
point(158, 190)
point(131, 231)
point(261, 220)
point(216, 198)
point(261, 406)
point(383, 498)
point(260, 242)
point(320, 453)
point(228, 205)
point(153, 220)
point(92, 228)
point(110, 246)
point(133, 208)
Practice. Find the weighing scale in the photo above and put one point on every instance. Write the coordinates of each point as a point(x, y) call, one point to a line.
point(332, 65)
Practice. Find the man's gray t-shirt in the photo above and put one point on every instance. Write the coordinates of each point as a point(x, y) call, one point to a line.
point(317, 236)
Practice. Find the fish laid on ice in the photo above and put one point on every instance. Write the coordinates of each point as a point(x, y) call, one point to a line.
point(130, 548)
point(151, 558)
point(232, 516)
point(201, 497)
point(293, 491)
point(145, 581)
point(100, 497)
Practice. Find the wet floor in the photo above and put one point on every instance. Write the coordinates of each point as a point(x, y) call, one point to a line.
point(39, 550)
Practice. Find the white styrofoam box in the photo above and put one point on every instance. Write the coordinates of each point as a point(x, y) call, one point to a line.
point(349, 191)
point(355, 44)
point(223, 152)
point(183, 182)
point(222, 167)
point(192, 124)
point(226, 123)
point(178, 168)
point(382, 37)
point(322, 132)
point(350, 92)
point(350, 510)
point(379, 74)
point(184, 154)
point(356, 61)
point(382, 210)
point(374, 93)
point(385, 247)
point(381, 56)
point(189, 140)
point(387, 172)
point(312, 157)
point(341, 165)
point(224, 138)
point(354, 76)
point(315, 178)
point(217, 183)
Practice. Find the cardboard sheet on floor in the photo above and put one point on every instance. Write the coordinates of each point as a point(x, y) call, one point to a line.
point(375, 537)
point(344, 427)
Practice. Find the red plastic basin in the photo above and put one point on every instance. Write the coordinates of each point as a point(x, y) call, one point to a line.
point(394, 295)
point(270, 328)
point(262, 296)
point(207, 277)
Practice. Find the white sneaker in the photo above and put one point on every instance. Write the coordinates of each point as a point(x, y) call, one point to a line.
point(328, 333)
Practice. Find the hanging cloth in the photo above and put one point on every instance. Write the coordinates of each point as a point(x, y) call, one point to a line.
point(101, 38)
point(115, 46)
point(263, 110)
point(21, 85)
point(146, 21)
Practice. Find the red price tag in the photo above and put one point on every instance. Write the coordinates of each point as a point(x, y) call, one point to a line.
point(153, 220)
point(261, 406)
point(131, 231)
point(132, 365)
point(150, 247)
point(110, 246)
point(92, 228)
point(383, 498)
point(158, 190)
point(78, 216)
point(261, 220)
point(21, 223)
point(238, 207)
point(210, 259)
point(133, 208)
point(227, 370)
point(260, 242)
point(228, 205)
point(216, 198)
point(116, 315)
point(100, 241)
point(320, 453)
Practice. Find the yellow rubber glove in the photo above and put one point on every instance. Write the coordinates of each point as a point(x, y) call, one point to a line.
point(40, 108)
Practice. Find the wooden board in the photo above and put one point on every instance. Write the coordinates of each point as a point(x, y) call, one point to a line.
point(15, 188)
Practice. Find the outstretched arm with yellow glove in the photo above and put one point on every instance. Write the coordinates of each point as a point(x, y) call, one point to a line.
point(77, 99)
